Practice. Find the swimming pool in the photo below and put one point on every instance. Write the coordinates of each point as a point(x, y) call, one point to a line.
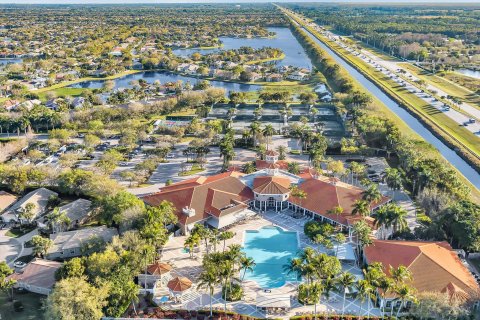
point(270, 247)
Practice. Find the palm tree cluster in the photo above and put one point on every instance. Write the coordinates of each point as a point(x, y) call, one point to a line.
point(323, 276)
point(391, 215)
point(224, 269)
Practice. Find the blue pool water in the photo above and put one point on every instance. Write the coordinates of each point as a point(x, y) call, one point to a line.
point(271, 248)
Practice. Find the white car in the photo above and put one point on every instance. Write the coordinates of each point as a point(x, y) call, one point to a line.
point(19, 264)
point(170, 155)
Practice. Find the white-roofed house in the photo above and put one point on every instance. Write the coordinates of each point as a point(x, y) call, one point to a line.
point(77, 212)
point(69, 244)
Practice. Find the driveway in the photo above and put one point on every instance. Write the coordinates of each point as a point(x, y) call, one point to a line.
point(10, 248)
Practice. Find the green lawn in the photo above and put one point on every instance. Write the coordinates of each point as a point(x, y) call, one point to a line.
point(32, 306)
point(63, 92)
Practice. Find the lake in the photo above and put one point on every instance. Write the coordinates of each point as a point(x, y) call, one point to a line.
point(295, 55)
point(469, 73)
point(163, 77)
point(10, 60)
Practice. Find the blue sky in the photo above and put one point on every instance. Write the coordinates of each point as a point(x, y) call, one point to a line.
point(221, 1)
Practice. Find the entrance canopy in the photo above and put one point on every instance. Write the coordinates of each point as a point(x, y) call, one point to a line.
point(345, 252)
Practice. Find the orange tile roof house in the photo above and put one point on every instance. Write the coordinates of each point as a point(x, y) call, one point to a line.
point(38, 276)
point(434, 266)
point(226, 198)
point(209, 199)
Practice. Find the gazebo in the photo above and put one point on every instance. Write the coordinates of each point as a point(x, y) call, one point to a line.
point(159, 268)
point(178, 286)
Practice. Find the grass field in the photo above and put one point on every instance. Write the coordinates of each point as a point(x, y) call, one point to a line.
point(444, 84)
point(63, 92)
point(32, 306)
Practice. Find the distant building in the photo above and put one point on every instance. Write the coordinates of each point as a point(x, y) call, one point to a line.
point(69, 244)
point(38, 276)
point(274, 77)
point(298, 76)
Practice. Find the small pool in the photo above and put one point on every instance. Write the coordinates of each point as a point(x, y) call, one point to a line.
point(271, 248)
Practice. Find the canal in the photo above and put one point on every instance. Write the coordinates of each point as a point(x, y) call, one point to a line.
point(450, 155)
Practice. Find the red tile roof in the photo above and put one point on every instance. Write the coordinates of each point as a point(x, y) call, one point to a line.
point(434, 265)
point(262, 164)
point(206, 195)
point(323, 194)
point(271, 185)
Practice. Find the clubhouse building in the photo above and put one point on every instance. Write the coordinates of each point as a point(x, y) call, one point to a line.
point(226, 198)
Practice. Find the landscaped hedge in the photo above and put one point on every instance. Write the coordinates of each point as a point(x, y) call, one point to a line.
point(339, 317)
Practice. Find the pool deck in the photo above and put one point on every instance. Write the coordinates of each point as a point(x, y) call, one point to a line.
point(174, 254)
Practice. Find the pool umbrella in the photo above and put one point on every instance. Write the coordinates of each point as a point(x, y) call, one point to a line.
point(178, 285)
point(159, 268)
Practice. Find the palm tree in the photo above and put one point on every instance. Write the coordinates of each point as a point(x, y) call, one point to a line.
point(190, 243)
point(400, 274)
point(247, 264)
point(224, 236)
point(404, 293)
point(382, 220)
point(294, 167)
point(398, 217)
point(316, 291)
point(58, 219)
point(298, 193)
point(361, 207)
point(394, 180)
point(268, 132)
point(364, 292)
point(208, 279)
point(372, 194)
point(294, 265)
point(249, 167)
point(345, 281)
point(282, 150)
point(254, 130)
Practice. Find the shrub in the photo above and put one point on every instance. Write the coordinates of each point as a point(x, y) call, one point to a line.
point(312, 228)
point(234, 292)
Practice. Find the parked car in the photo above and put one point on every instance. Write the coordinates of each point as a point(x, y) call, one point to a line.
point(19, 264)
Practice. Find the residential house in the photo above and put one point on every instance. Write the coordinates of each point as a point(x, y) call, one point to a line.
point(434, 266)
point(39, 198)
point(274, 77)
point(10, 105)
point(78, 102)
point(38, 276)
point(77, 212)
point(69, 243)
point(6, 200)
point(298, 76)
point(52, 104)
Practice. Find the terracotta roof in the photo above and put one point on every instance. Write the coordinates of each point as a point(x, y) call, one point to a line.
point(179, 284)
point(159, 268)
point(262, 164)
point(271, 185)
point(434, 265)
point(39, 273)
point(323, 194)
point(206, 195)
point(6, 200)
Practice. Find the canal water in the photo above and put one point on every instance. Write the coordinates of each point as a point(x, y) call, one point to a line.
point(449, 154)
point(469, 73)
